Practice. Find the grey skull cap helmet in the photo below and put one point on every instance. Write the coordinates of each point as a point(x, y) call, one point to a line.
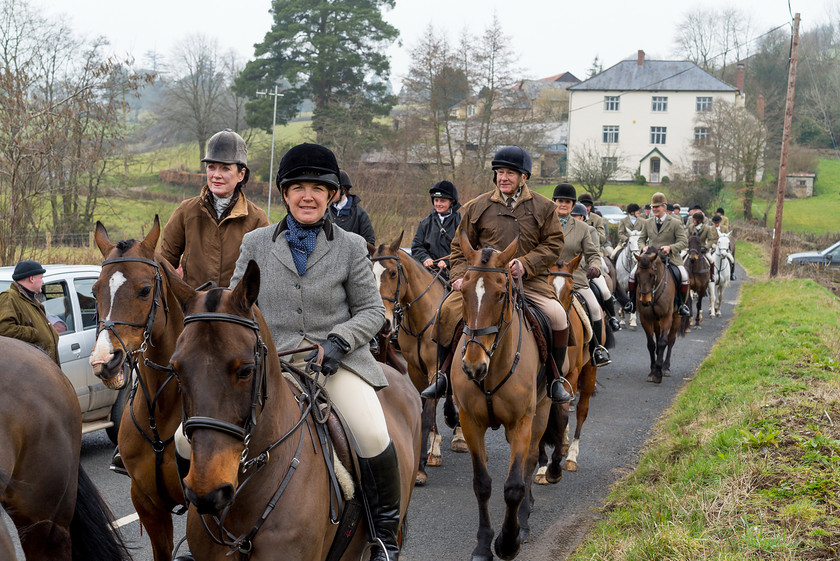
point(226, 147)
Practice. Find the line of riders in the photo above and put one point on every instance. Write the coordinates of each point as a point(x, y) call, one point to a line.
point(212, 236)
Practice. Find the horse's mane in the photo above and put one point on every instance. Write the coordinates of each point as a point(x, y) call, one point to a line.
point(124, 245)
point(486, 253)
point(646, 259)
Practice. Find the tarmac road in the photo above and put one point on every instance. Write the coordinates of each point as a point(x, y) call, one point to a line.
point(443, 515)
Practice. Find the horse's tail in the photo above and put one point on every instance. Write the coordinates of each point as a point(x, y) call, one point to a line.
point(92, 529)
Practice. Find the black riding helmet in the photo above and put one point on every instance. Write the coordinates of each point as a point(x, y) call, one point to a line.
point(632, 207)
point(512, 157)
point(309, 162)
point(586, 199)
point(444, 190)
point(565, 191)
point(344, 182)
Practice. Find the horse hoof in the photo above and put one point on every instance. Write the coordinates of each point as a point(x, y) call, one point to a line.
point(554, 478)
point(654, 379)
point(506, 551)
point(458, 443)
point(481, 557)
point(421, 479)
point(434, 461)
point(666, 373)
point(570, 465)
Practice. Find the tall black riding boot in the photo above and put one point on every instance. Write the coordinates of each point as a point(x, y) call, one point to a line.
point(556, 386)
point(600, 354)
point(438, 388)
point(684, 311)
point(117, 465)
point(380, 477)
point(609, 307)
point(630, 306)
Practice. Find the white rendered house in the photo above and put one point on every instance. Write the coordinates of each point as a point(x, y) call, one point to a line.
point(642, 114)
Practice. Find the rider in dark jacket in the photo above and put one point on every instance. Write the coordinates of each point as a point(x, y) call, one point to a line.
point(431, 243)
point(348, 214)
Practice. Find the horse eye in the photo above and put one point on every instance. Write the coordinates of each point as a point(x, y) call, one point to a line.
point(393, 274)
point(501, 296)
point(245, 371)
point(145, 291)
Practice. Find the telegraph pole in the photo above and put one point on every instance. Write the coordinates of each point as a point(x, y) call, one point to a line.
point(276, 94)
point(780, 193)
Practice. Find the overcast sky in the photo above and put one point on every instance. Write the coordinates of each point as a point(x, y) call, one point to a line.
point(549, 36)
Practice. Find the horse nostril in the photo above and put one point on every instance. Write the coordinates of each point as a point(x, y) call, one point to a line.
point(212, 502)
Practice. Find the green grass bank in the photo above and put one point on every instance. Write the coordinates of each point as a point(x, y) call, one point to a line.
point(746, 462)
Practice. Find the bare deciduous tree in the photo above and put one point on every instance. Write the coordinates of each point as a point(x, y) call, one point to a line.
point(593, 167)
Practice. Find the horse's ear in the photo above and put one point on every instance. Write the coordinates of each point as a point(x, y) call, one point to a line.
point(510, 251)
point(395, 246)
point(371, 249)
point(100, 236)
point(151, 240)
point(248, 289)
point(637, 257)
point(182, 291)
point(466, 246)
point(574, 263)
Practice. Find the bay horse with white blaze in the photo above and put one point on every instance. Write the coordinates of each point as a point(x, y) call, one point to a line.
point(57, 510)
point(656, 289)
point(139, 321)
point(258, 483)
point(412, 297)
point(496, 384)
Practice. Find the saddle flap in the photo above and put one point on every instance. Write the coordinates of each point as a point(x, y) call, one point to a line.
point(540, 326)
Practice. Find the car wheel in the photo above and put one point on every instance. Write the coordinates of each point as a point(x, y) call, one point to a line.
point(117, 413)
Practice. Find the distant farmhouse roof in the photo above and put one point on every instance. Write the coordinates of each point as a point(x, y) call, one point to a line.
point(654, 75)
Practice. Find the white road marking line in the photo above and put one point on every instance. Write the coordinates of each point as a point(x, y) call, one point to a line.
point(126, 520)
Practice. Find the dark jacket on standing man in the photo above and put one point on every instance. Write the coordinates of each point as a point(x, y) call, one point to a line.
point(23, 318)
point(353, 218)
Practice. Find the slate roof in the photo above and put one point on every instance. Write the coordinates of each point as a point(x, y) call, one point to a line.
point(654, 75)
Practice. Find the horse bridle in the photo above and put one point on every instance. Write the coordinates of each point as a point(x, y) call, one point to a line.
point(497, 327)
point(662, 283)
point(258, 384)
point(108, 325)
point(244, 543)
point(400, 312)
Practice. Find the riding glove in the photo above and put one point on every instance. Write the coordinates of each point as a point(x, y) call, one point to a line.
point(704, 250)
point(335, 347)
point(592, 273)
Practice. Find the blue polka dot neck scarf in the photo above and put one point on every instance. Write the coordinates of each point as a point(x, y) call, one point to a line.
point(301, 242)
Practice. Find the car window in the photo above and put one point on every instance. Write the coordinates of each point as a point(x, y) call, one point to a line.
point(84, 292)
point(835, 255)
point(58, 307)
point(4, 285)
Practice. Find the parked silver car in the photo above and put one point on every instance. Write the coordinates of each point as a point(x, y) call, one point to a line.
point(611, 214)
point(828, 258)
point(68, 301)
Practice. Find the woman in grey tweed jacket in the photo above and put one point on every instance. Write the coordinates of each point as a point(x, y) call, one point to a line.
point(317, 286)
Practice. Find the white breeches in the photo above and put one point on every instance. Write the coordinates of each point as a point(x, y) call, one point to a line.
point(591, 302)
point(551, 308)
point(601, 283)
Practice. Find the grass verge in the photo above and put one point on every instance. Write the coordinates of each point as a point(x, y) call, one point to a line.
point(754, 258)
point(746, 462)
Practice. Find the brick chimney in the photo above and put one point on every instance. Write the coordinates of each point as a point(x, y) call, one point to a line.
point(759, 107)
point(739, 78)
point(641, 58)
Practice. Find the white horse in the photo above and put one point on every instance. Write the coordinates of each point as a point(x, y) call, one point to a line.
point(625, 261)
point(723, 268)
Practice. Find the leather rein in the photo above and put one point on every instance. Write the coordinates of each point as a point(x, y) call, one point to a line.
point(153, 437)
point(500, 331)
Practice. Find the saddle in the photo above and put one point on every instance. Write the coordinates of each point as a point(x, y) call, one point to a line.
point(346, 509)
point(540, 326)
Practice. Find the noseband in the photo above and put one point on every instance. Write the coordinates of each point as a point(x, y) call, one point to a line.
point(658, 285)
point(399, 311)
point(258, 385)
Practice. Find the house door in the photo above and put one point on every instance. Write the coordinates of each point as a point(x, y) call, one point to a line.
point(654, 170)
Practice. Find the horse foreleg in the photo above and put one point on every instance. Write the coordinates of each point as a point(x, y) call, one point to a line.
point(651, 347)
point(586, 387)
point(482, 487)
point(427, 432)
point(518, 434)
point(556, 435)
point(539, 424)
point(157, 521)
